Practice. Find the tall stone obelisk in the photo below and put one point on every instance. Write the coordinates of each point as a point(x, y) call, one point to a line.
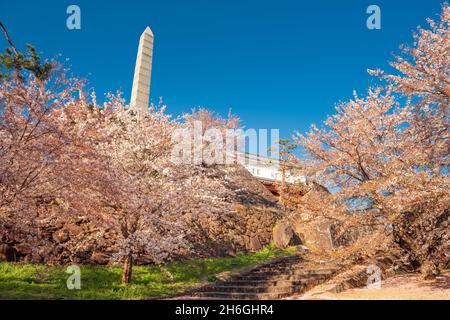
point(140, 94)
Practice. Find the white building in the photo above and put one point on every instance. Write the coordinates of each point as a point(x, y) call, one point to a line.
point(266, 169)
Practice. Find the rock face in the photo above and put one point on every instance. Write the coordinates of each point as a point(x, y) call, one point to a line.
point(319, 221)
point(284, 235)
point(309, 205)
point(344, 236)
point(254, 244)
point(61, 236)
point(315, 234)
point(241, 215)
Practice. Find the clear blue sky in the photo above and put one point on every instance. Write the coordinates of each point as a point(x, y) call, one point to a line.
point(277, 64)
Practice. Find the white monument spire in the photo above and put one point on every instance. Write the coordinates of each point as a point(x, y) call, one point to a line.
point(140, 93)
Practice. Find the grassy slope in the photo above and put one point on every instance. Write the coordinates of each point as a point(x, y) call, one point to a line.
point(100, 282)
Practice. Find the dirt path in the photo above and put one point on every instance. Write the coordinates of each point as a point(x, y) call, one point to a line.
point(403, 287)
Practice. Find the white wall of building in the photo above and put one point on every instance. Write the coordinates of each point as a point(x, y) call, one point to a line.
point(266, 168)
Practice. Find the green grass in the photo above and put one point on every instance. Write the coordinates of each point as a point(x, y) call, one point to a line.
point(33, 281)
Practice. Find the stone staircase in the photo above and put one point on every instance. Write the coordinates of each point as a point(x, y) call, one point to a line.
point(274, 280)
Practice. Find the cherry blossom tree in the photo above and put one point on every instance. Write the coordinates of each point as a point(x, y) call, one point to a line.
point(209, 138)
point(147, 198)
point(64, 157)
point(423, 69)
point(387, 153)
point(140, 198)
point(47, 155)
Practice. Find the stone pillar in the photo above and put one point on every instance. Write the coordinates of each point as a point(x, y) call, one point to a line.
point(140, 94)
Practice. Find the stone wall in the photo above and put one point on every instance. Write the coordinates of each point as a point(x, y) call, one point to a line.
point(240, 219)
point(244, 229)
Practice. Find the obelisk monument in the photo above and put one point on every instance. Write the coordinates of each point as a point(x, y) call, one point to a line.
point(140, 94)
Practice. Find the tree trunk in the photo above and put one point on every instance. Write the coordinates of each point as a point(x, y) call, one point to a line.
point(127, 268)
point(283, 180)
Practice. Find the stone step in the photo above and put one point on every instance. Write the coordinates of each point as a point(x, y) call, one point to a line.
point(287, 267)
point(266, 283)
point(242, 296)
point(297, 268)
point(278, 277)
point(275, 280)
point(253, 289)
point(283, 263)
point(253, 292)
point(310, 272)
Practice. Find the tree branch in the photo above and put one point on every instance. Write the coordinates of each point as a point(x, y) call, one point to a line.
point(8, 38)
